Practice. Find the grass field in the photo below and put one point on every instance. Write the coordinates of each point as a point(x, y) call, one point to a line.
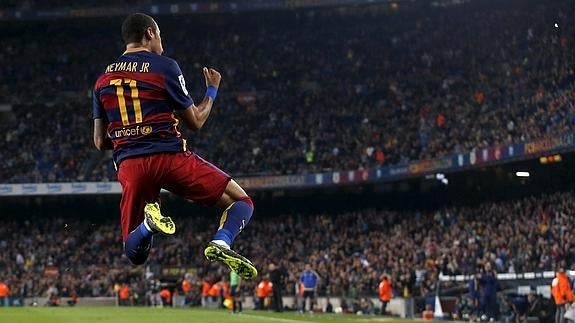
point(167, 315)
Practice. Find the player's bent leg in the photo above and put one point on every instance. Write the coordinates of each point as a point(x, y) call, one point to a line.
point(137, 247)
point(234, 219)
point(139, 241)
point(238, 210)
point(141, 216)
point(196, 179)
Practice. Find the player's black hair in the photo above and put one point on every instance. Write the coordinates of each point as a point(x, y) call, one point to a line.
point(134, 27)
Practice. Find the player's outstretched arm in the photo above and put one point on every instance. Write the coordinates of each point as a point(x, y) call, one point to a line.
point(101, 140)
point(195, 116)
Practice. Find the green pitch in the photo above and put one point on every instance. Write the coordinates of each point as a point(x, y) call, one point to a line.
point(168, 315)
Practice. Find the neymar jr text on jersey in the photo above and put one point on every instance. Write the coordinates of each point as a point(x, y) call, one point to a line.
point(134, 67)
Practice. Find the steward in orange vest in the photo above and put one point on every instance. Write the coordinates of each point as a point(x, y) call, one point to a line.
point(561, 289)
point(385, 293)
point(562, 294)
point(263, 292)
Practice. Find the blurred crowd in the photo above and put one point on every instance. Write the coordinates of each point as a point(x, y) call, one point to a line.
point(305, 91)
point(349, 252)
point(59, 4)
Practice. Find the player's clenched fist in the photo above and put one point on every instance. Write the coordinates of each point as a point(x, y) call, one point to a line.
point(213, 77)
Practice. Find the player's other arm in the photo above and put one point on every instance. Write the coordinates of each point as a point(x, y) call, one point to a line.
point(101, 140)
point(195, 116)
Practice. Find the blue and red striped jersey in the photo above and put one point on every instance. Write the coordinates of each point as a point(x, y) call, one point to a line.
point(137, 95)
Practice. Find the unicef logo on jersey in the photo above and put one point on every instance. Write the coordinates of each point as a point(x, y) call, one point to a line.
point(146, 130)
point(135, 131)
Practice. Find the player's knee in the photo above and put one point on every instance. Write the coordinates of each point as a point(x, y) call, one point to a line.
point(244, 208)
point(137, 261)
point(136, 257)
point(248, 201)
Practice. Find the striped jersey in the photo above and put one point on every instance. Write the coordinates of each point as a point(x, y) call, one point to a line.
point(137, 96)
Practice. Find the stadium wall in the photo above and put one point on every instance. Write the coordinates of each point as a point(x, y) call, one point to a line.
point(398, 306)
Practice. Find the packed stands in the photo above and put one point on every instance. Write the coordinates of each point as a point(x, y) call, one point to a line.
point(302, 91)
point(350, 251)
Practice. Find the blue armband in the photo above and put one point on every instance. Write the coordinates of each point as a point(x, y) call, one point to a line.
point(212, 92)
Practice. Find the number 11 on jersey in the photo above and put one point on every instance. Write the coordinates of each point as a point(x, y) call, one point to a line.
point(122, 101)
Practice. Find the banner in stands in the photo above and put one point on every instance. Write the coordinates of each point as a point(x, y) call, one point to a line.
point(506, 276)
point(453, 163)
point(60, 188)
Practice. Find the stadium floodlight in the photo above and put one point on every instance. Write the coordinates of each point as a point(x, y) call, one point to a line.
point(522, 174)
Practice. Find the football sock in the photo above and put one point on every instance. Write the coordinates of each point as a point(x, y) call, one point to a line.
point(145, 228)
point(221, 243)
point(233, 221)
point(138, 243)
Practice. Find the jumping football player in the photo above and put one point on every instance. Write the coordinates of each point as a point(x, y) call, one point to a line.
point(136, 101)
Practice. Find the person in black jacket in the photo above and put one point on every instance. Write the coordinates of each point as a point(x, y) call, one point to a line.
point(540, 307)
point(277, 278)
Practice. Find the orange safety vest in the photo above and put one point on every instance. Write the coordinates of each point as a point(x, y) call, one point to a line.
point(124, 292)
point(166, 295)
point(264, 288)
point(269, 289)
point(4, 290)
point(301, 289)
point(206, 288)
point(385, 290)
point(561, 289)
point(226, 287)
point(214, 290)
point(186, 286)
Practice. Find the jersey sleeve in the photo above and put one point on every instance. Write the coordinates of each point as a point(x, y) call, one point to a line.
point(176, 87)
point(98, 111)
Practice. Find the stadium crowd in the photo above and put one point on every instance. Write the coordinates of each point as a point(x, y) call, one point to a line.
point(51, 4)
point(325, 89)
point(349, 251)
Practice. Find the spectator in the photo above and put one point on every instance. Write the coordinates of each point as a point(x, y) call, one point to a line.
point(187, 289)
point(385, 293)
point(562, 294)
point(474, 295)
point(539, 307)
point(53, 300)
point(309, 280)
point(277, 278)
point(124, 295)
point(73, 298)
point(215, 295)
point(465, 310)
point(4, 294)
point(206, 287)
point(166, 296)
point(264, 292)
point(488, 291)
